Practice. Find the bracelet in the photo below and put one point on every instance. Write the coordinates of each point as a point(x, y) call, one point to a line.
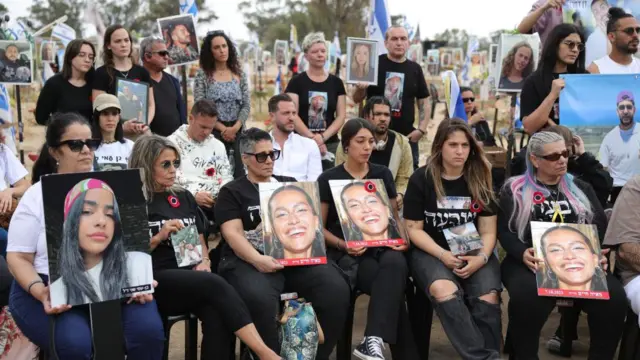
point(206, 258)
point(39, 281)
point(422, 131)
point(486, 258)
point(440, 256)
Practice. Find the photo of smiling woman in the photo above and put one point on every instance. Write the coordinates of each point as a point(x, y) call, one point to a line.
point(293, 226)
point(91, 257)
point(571, 264)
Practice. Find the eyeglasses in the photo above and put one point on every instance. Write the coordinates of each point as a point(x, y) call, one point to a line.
point(573, 44)
point(78, 145)
point(630, 30)
point(262, 157)
point(625, 107)
point(555, 156)
point(162, 53)
point(166, 164)
point(468, 100)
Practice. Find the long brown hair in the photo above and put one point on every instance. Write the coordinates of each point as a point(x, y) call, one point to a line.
point(477, 169)
point(73, 49)
point(107, 55)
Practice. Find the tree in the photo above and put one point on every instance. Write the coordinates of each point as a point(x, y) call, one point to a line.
point(3, 9)
point(43, 12)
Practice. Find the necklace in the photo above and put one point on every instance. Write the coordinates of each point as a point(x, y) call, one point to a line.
point(109, 141)
point(557, 212)
point(124, 73)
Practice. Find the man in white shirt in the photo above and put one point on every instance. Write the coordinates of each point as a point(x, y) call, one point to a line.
point(299, 156)
point(204, 166)
point(620, 149)
point(622, 33)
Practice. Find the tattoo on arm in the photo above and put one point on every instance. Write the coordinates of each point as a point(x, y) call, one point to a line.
point(422, 109)
point(630, 253)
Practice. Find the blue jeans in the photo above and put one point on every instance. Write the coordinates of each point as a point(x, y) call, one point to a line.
point(3, 242)
point(143, 331)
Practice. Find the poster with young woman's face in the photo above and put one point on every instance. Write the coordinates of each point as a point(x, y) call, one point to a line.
point(318, 103)
point(16, 62)
point(414, 53)
point(446, 58)
point(571, 261)
point(48, 51)
point(281, 51)
point(458, 56)
point(97, 236)
point(433, 57)
point(518, 58)
point(365, 213)
point(362, 61)
point(179, 34)
point(292, 223)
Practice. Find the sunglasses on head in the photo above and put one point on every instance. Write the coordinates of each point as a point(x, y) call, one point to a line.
point(572, 45)
point(262, 157)
point(167, 163)
point(468, 100)
point(625, 107)
point(630, 30)
point(215, 33)
point(78, 145)
point(556, 156)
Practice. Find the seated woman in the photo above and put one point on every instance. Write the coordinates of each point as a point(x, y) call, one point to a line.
point(476, 119)
point(454, 189)
point(114, 150)
point(379, 272)
point(259, 278)
point(68, 149)
point(547, 193)
point(190, 289)
point(13, 183)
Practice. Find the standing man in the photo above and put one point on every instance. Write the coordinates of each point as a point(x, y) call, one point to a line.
point(597, 45)
point(299, 156)
point(622, 33)
point(171, 111)
point(543, 17)
point(402, 82)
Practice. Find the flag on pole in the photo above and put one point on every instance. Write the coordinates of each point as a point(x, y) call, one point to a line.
point(278, 88)
point(379, 22)
point(92, 16)
point(517, 122)
point(453, 96)
point(64, 32)
point(336, 45)
point(189, 7)
point(472, 47)
point(293, 39)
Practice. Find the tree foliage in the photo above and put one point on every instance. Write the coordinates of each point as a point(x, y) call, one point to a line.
point(43, 12)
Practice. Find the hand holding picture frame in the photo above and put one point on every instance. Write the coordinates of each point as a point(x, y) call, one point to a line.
point(362, 61)
point(134, 100)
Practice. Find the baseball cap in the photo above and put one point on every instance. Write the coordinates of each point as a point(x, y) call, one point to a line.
point(105, 101)
point(625, 95)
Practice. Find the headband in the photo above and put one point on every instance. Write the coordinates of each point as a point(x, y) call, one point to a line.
point(81, 187)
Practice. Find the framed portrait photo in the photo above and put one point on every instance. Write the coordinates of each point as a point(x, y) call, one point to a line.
point(179, 34)
point(97, 235)
point(433, 56)
point(517, 58)
point(48, 51)
point(362, 61)
point(365, 213)
point(134, 100)
point(292, 223)
point(281, 52)
point(16, 62)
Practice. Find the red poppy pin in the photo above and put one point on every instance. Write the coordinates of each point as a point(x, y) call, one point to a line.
point(370, 186)
point(475, 207)
point(210, 171)
point(173, 201)
point(538, 198)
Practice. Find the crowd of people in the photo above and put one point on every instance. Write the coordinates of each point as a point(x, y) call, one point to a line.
point(209, 161)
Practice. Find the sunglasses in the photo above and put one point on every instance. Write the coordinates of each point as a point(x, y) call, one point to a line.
point(262, 157)
point(572, 45)
point(625, 107)
point(556, 156)
point(215, 33)
point(630, 30)
point(468, 100)
point(78, 145)
point(162, 53)
point(166, 164)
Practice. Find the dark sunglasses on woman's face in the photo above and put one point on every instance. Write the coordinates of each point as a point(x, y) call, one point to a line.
point(166, 164)
point(630, 30)
point(572, 45)
point(556, 156)
point(468, 100)
point(78, 145)
point(624, 107)
point(262, 157)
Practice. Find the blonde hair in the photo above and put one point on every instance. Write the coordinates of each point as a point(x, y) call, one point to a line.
point(143, 156)
point(354, 63)
point(312, 39)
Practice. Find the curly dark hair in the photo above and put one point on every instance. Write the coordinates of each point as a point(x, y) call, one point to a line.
point(207, 61)
point(509, 60)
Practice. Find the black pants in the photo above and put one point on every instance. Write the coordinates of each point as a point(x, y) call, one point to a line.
point(5, 282)
point(382, 274)
point(211, 299)
point(615, 191)
point(322, 285)
point(528, 313)
point(233, 152)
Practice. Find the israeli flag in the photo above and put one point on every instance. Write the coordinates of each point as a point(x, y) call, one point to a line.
point(278, 87)
point(379, 23)
point(453, 96)
point(472, 47)
point(189, 7)
point(64, 32)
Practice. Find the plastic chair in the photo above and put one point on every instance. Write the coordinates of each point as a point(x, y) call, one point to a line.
point(190, 335)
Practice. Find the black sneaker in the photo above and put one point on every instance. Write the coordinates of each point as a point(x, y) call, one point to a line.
point(370, 349)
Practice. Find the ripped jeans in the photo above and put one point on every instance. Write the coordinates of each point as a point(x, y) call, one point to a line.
point(472, 324)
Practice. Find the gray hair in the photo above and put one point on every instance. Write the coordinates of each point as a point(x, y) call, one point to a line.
point(249, 138)
point(312, 39)
point(386, 33)
point(143, 156)
point(147, 44)
point(539, 140)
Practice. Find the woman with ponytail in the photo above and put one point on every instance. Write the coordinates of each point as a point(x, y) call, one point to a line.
point(546, 192)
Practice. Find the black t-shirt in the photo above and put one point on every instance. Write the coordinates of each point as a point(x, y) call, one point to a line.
point(324, 98)
point(102, 81)
point(167, 117)
point(160, 211)
point(383, 157)
point(339, 173)
point(422, 204)
point(59, 95)
point(401, 83)
point(240, 199)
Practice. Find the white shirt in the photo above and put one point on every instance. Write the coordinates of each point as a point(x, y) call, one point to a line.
point(113, 156)
point(300, 158)
point(596, 46)
point(620, 157)
point(11, 169)
point(26, 229)
point(607, 66)
point(139, 272)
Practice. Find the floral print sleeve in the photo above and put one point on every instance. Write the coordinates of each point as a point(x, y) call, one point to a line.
point(200, 85)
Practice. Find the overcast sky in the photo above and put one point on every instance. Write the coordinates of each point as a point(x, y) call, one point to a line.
point(479, 17)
